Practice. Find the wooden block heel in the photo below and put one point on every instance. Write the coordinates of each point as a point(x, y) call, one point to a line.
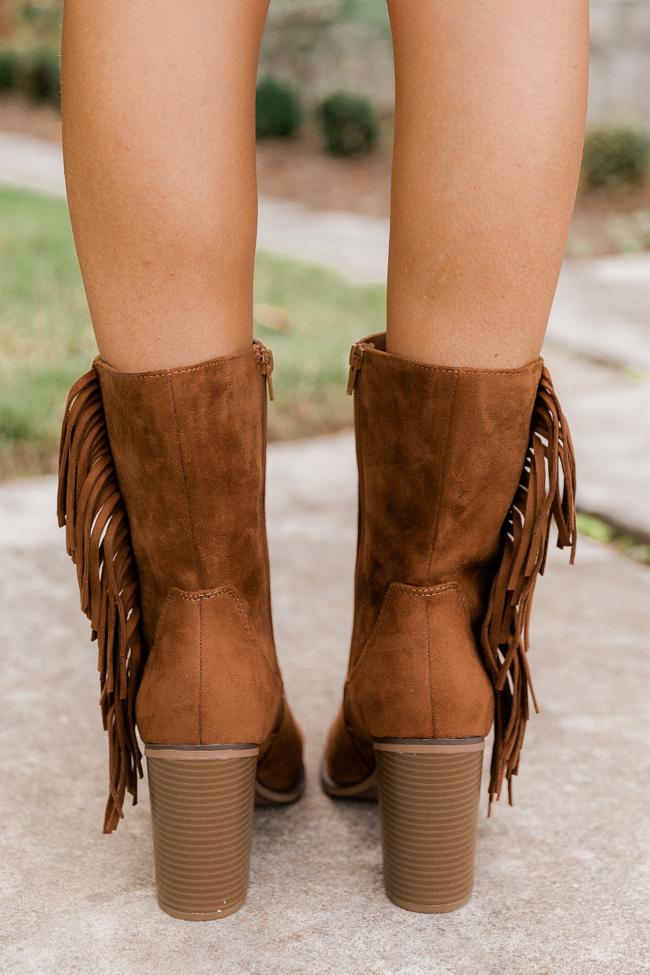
point(202, 815)
point(429, 796)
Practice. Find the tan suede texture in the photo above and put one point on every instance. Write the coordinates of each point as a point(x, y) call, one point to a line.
point(211, 694)
point(189, 447)
point(440, 452)
point(420, 691)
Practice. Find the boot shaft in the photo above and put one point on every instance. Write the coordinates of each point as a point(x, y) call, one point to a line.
point(161, 490)
point(189, 449)
point(439, 453)
point(461, 472)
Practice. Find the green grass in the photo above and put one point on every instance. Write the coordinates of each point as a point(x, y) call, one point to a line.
point(46, 341)
point(371, 12)
point(600, 530)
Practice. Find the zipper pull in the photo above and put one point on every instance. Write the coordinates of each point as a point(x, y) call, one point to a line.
point(265, 362)
point(356, 355)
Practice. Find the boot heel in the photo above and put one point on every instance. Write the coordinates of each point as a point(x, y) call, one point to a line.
point(202, 815)
point(428, 799)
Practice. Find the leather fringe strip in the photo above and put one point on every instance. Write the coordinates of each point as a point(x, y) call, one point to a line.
point(98, 541)
point(546, 493)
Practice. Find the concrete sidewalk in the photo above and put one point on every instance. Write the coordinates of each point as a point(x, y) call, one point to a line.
point(598, 341)
point(563, 879)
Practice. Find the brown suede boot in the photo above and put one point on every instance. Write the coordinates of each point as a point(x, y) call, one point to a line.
point(460, 473)
point(161, 490)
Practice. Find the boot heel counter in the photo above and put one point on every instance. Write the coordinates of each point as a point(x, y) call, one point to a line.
point(207, 679)
point(420, 674)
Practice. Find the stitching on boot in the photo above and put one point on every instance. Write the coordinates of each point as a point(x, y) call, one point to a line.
point(413, 591)
point(240, 609)
point(406, 365)
point(157, 375)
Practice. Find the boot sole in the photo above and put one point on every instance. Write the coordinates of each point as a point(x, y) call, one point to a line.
point(429, 792)
point(273, 797)
point(366, 789)
point(202, 802)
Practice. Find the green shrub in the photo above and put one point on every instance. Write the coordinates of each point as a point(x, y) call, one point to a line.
point(278, 111)
point(41, 75)
point(349, 124)
point(8, 69)
point(615, 155)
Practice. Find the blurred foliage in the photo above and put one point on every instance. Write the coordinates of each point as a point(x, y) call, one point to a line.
point(8, 69)
point(39, 73)
point(33, 71)
point(29, 52)
point(615, 155)
point(278, 112)
point(349, 124)
point(29, 23)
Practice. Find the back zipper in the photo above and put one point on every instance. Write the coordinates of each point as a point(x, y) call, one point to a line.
point(265, 363)
point(356, 355)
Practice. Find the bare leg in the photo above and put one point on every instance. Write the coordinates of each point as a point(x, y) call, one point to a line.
point(489, 126)
point(159, 142)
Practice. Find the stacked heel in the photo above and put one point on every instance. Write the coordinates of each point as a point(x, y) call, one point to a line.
point(429, 795)
point(202, 816)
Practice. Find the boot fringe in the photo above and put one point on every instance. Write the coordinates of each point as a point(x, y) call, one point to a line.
point(91, 508)
point(546, 493)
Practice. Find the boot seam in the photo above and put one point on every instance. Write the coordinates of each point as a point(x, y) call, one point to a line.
point(405, 363)
point(156, 375)
point(184, 476)
point(200, 674)
point(444, 474)
point(429, 671)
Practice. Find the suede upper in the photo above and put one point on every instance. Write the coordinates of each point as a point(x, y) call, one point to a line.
point(440, 453)
point(189, 448)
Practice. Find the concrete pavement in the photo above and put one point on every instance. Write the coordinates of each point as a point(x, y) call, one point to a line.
point(563, 879)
